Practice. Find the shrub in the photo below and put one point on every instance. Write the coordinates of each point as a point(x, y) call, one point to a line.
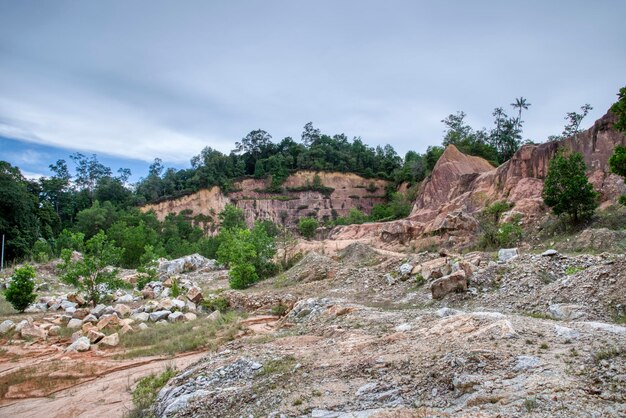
point(147, 388)
point(20, 292)
point(567, 189)
point(307, 227)
point(42, 251)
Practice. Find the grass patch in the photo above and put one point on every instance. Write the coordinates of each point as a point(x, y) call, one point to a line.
point(180, 337)
point(530, 404)
point(146, 391)
point(278, 366)
point(607, 354)
point(573, 270)
point(6, 309)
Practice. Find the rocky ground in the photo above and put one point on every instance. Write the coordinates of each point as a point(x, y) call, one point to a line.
point(375, 333)
point(363, 336)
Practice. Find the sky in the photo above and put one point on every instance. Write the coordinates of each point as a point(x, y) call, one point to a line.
point(132, 81)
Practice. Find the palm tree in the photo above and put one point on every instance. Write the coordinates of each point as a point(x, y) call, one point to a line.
point(520, 103)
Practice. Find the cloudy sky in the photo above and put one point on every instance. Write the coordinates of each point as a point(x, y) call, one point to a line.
point(136, 80)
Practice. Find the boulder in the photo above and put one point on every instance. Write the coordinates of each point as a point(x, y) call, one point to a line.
point(405, 270)
point(141, 316)
point(176, 317)
point(506, 254)
point(186, 264)
point(121, 310)
point(195, 295)
point(81, 344)
point(452, 283)
point(76, 298)
point(22, 324)
point(110, 340)
point(75, 323)
point(436, 268)
point(148, 294)
point(125, 329)
point(190, 316)
point(6, 326)
point(567, 311)
point(124, 299)
point(88, 326)
point(54, 331)
point(108, 320)
point(90, 318)
point(215, 315)
point(94, 336)
point(178, 304)
point(142, 326)
point(549, 253)
point(98, 311)
point(36, 308)
point(165, 305)
point(159, 315)
point(33, 331)
point(80, 313)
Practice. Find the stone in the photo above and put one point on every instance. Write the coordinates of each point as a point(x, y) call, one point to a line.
point(36, 308)
point(405, 269)
point(90, 318)
point(22, 324)
point(549, 253)
point(76, 298)
point(98, 311)
point(110, 340)
point(107, 321)
point(6, 326)
point(126, 328)
point(94, 336)
point(176, 317)
point(76, 335)
point(214, 316)
point(403, 328)
point(87, 326)
point(121, 310)
point(565, 332)
point(125, 299)
point(186, 264)
point(159, 315)
point(444, 312)
point(566, 311)
point(190, 316)
point(526, 362)
point(33, 331)
point(148, 294)
point(178, 305)
point(81, 344)
point(436, 268)
point(43, 287)
point(142, 326)
point(75, 323)
point(54, 331)
point(195, 294)
point(165, 305)
point(452, 283)
point(80, 313)
point(191, 306)
point(390, 279)
point(141, 316)
point(506, 254)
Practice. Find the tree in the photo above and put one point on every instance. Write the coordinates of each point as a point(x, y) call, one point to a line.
point(238, 251)
point(617, 162)
point(93, 274)
point(520, 103)
point(20, 292)
point(572, 128)
point(232, 217)
point(567, 190)
point(619, 108)
point(307, 227)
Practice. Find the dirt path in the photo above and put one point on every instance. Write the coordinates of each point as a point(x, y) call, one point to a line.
point(105, 396)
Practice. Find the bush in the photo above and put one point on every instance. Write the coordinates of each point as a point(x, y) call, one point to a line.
point(146, 391)
point(242, 275)
point(307, 227)
point(42, 251)
point(567, 189)
point(20, 292)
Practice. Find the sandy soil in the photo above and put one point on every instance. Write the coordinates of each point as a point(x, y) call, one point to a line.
point(107, 395)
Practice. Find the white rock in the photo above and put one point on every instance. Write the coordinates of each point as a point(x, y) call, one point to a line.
point(443, 312)
point(75, 323)
point(215, 315)
point(405, 269)
point(159, 315)
point(403, 328)
point(81, 344)
point(142, 326)
point(565, 332)
point(549, 253)
point(141, 316)
point(526, 362)
point(125, 299)
point(110, 340)
point(506, 254)
point(191, 316)
point(176, 317)
point(6, 326)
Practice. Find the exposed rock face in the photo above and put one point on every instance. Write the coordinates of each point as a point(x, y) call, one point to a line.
point(350, 191)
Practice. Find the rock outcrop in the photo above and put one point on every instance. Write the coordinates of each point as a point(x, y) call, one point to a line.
point(343, 191)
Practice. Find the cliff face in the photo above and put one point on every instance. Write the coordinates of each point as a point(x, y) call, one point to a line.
point(460, 186)
point(297, 200)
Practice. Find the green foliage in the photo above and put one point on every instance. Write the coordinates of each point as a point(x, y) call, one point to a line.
point(617, 162)
point(93, 275)
point(97, 218)
point(20, 291)
point(42, 251)
point(218, 303)
point(307, 227)
point(147, 389)
point(496, 209)
point(176, 289)
point(567, 189)
point(148, 267)
point(495, 234)
point(71, 241)
point(232, 217)
point(619, 108)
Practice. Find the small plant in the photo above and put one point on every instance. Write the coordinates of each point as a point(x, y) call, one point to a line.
point(544, 346)
point(176, 289)
point(573, 270)
point(147, 389)
point(530, 404)
point(276, 366)
point(608, 353)
point(419, 280)
point(20, 292)
point(219, 303)
point(307, 227)
point(279, 310)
